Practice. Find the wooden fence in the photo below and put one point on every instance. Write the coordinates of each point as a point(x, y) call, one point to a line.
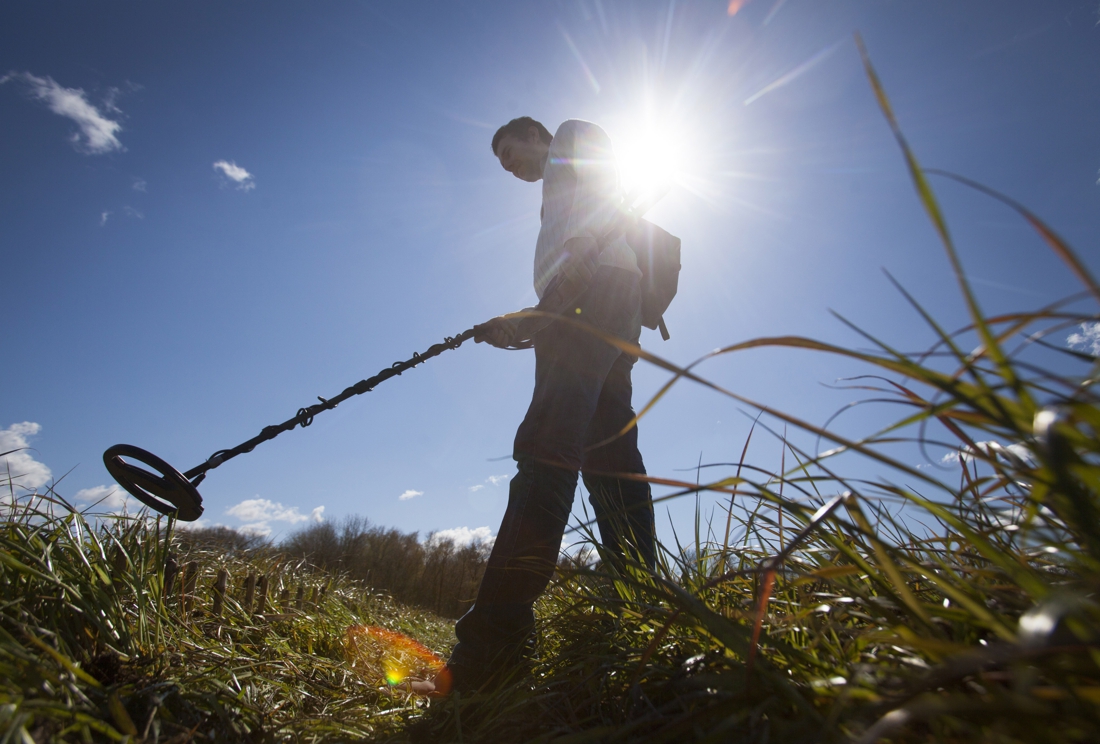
point(256, 593)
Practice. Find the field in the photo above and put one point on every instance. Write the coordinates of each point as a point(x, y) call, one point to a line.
point(909, 607)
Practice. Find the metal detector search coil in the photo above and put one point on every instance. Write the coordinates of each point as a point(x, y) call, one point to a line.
point(153, 490)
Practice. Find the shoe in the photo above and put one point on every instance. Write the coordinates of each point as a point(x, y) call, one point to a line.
point(440, 685)
point(469, 681)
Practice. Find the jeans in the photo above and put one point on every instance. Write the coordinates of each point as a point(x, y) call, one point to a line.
point(581, 399)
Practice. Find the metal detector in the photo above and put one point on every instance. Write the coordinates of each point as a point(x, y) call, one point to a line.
point(168, 491)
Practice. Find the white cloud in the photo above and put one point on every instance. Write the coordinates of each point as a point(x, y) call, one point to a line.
point(25, 473)
point(265, 510)
point(462, 536)
point(139, 184)
point(198, 524)
point(1021, 451)
point(237, 174)
point(127, 210)
point(1088, 340)
point(108, 499)
point(1013, 453)
point(258, 514)
point(113, 94)
point(495, 480)
point(97, 134)
point(259, 529)
point(410, 494)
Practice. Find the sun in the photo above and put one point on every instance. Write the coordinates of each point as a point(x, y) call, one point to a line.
point(651, 159)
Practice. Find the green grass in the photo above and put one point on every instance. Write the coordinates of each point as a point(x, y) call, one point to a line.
point(911, 606)
point(92, 650)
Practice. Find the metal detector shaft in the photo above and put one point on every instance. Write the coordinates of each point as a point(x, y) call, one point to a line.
point(559, 296)
point(304, 417)
point(168, 491)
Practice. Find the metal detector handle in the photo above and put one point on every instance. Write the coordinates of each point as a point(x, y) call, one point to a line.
point(165, 491)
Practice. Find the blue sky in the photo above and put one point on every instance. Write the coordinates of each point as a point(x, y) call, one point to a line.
point(214, 212)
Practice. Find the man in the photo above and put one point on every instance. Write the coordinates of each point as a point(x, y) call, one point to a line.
point(581, 399)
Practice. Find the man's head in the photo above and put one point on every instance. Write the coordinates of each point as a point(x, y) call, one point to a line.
point(521, 146)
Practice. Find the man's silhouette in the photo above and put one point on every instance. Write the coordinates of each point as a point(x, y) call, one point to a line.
point(581, 397)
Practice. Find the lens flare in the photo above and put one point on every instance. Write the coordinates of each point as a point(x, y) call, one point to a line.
point(735, 6)
point(386, 656)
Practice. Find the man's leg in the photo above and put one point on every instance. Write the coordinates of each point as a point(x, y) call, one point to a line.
point(492, 634)
point(571, 365)
point(624, 508)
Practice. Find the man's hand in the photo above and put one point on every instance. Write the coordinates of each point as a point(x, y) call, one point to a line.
point(584, 259)
point(499, 331)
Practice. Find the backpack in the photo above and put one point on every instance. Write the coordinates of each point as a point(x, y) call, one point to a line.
point(658, 253)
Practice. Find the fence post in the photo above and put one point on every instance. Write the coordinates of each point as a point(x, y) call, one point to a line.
point(171, 568)
point(284, 600)
point(299, 597)
point(118, 562)
point(219, 591)
point(249, 591)
point(261, 603)
point(190, 576)
point(313, 597)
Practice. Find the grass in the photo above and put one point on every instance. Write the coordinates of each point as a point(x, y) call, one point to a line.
point(914, 606)
point(910, 607)
point(92, 648)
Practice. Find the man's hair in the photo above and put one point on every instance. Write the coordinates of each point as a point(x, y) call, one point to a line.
point(518, 128)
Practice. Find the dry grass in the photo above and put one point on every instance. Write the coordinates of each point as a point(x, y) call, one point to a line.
point(92, 649)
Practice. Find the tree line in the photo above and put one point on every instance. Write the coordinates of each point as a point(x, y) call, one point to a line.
point(434, 574)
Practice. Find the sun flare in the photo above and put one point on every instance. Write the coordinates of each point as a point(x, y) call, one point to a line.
point(651, 159)
point(387, 657)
